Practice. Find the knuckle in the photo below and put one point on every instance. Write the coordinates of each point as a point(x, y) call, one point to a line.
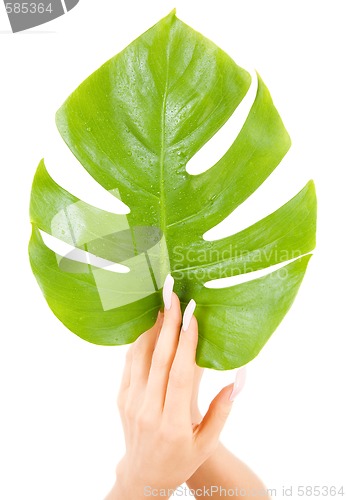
point(120, 402)
point(129, 411)
point(144, 421)
point(159, 361)
point(173, 434)
point(178, 377)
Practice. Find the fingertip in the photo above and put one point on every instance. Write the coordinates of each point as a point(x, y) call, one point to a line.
point(226, 393)
point(192, 330)
point(193, 323)
point(175, 298)
point(239, 383)
point(174, 311)
point(171, 319)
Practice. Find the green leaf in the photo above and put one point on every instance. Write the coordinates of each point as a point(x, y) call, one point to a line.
point(133, 125)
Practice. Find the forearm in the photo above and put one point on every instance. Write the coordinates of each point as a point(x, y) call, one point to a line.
point(225, 471)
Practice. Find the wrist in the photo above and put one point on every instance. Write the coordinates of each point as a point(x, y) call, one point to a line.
point(128, 487)
point(123, 487)
point(120, 491)
point(209, 462)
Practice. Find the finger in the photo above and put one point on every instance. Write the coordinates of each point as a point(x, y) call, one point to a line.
point(126, 377)
point(163, 356)
point(212, 424)
point(196, 416)
point(209, 430)
point(141, 359)
point(125, 381)
point(177, 407)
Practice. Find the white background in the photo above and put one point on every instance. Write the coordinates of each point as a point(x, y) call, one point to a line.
point(60, 435)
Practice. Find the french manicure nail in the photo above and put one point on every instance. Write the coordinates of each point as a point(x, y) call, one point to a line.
point(238, 383)
point(188, 313)
point(167, 291)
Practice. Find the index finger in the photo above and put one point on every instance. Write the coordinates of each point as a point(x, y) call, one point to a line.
point(181, 378)
point(162, 359)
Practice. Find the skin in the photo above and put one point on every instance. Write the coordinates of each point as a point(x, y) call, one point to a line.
point(167, 440)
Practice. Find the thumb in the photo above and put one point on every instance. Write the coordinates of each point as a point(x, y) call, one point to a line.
point(212, 424)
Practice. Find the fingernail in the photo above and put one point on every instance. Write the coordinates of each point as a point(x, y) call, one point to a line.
point(238, 383)
point(188, 313)
point(167, 291)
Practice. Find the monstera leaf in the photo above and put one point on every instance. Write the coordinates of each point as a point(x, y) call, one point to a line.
point(133, 125)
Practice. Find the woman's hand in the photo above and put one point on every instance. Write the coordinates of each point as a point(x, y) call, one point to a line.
point(164, 447)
